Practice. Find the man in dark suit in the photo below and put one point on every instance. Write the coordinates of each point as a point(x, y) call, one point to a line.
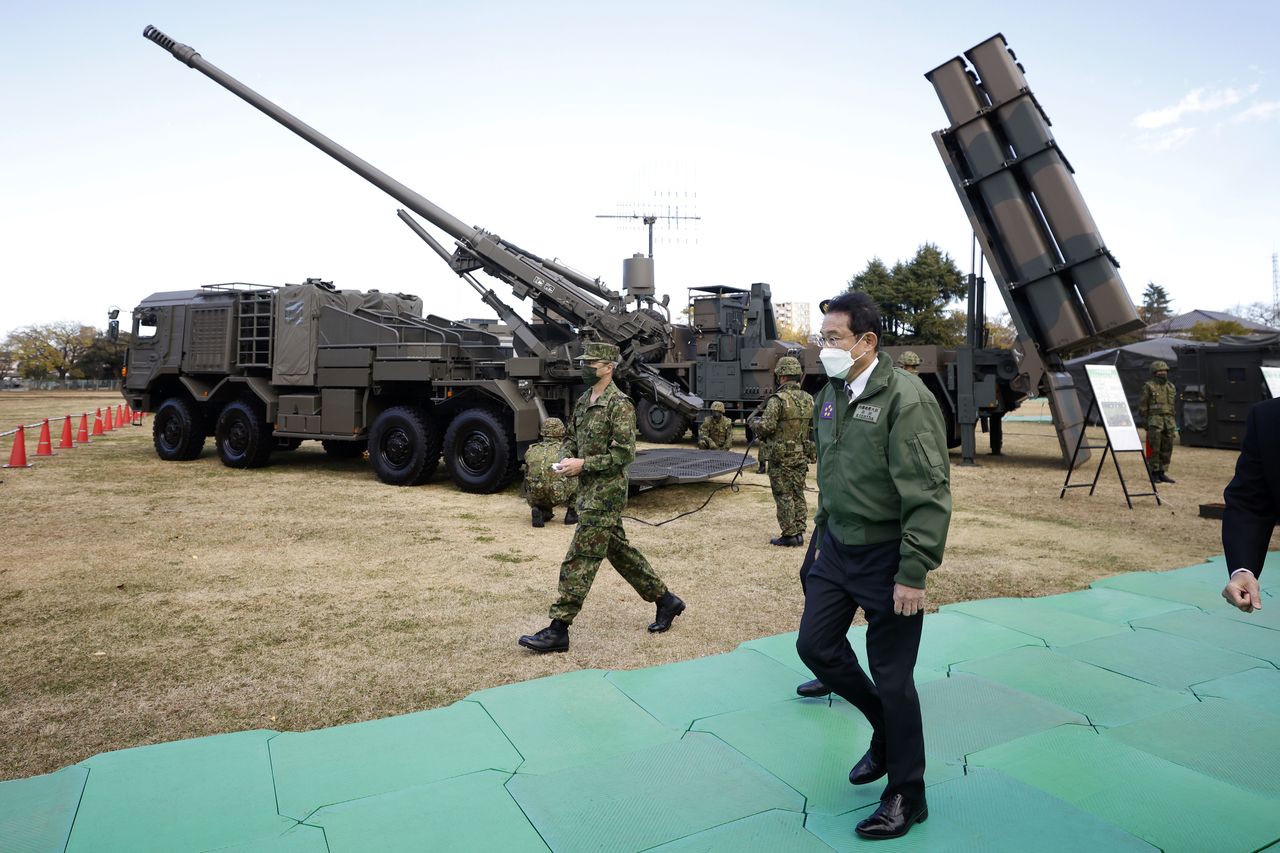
point(1253, 506)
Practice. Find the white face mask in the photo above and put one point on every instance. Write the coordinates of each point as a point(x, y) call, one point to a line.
point(837, 361)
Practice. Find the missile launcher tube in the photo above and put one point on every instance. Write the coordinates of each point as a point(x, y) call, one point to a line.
point(1029, 254)
point(1049, 177)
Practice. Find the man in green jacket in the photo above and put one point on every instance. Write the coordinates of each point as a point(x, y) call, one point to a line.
point(601, 444)
point(884, 506)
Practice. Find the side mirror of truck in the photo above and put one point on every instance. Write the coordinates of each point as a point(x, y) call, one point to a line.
point(113, 330)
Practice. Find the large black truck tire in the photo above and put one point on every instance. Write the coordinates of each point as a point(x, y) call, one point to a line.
point(480, 451)
point(658, 424)
point(243, 436)
point(404, 446)
point(177, 430)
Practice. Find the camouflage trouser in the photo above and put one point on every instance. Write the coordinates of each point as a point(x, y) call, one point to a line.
point(593, 542)
point(549, 498)
point(787, 483)
point(1160, 439)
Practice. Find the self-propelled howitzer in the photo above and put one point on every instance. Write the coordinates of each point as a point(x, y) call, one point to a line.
point(589, 307)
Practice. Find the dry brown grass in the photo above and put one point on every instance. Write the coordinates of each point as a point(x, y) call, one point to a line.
point(143, 601)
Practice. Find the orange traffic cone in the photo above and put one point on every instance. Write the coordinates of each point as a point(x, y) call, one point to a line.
point(110, 426)
point(82, 434)
point(44, 446)
point(97, 423)
point(18, 457)
point(65, 443)
point(119, 415)
point(128, 414)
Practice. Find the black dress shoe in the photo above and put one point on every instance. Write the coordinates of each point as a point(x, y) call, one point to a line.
point(553, 638)
point(537, 517)
point(570, 516)
point(869, 768)
point(788, 541)
point(894, 818)
point(813, 689)
point(669, 607)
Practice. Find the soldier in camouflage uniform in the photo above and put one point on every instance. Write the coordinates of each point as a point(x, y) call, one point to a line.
point(544, 488)
point(910, 362)
point(601, 445)
point(716, 432)
point(785, 427)
point(1155, 406)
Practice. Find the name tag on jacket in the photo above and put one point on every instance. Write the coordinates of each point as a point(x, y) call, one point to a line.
point(867, 413)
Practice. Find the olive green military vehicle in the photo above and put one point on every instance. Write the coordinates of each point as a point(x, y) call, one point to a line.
point(261, 369)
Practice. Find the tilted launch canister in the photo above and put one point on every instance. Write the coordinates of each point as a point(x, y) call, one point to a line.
point(1039, 236)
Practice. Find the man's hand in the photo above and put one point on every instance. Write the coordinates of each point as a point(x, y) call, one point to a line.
point(1242, 592)
point(571, 467)
point(907, 600)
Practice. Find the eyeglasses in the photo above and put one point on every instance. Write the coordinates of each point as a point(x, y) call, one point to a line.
point(831, 340)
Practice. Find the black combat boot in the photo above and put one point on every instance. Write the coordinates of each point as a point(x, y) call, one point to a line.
point(553, 638)
point(669, 607)
point(1165, 478)
point(571, 516)
point(793, 541)
point(537, 517)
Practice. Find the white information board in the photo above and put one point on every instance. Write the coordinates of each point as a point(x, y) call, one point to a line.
point(1272, 377)
point(1117, 420)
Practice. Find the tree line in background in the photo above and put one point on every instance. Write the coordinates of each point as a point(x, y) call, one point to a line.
point(918, 300)
point(61, 351)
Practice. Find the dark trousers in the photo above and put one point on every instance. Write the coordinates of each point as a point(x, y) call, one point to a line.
point(842, 579)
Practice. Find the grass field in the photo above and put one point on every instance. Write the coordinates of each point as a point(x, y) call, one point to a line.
point(144, 601)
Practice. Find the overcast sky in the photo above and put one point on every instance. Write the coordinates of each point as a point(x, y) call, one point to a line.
point(799, 132)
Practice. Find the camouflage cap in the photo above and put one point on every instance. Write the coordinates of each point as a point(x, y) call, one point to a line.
point(788, 365)
point(1157, 366)
point(910, 358)
point(599, 351)
point(553, 428)
point(717, 406)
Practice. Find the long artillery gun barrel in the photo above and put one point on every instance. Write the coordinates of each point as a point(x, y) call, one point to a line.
point(584, 303)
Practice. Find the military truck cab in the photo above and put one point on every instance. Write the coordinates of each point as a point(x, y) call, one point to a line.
point(263, 368)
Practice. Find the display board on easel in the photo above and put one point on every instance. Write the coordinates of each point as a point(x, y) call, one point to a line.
point(1118, 427)
point(1271, 375)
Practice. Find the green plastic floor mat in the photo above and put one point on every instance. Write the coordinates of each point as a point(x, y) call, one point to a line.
point(36, 813)
point(327, 766)
point(1106, 698)
point(965, 713)
point(1159, 658)
point(188, 795)
point(300, 839)
point(1032, 616)
point(769, 832)
point(986, 811)
point(811, 747)
point(1184, 590)
point(1267, 617)
point(679, 693)
point(1258, 688)
point(782, 648)
point(568, 719)
point(1213, 630)
point(1111, 605)
point(1170, 806)
point(465, 813)
point(648, 797)
point(1231, 742)
point(951, 638)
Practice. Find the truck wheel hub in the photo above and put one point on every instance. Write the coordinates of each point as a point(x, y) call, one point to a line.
point(477, 452)
point(238, 435)
point(397, 448)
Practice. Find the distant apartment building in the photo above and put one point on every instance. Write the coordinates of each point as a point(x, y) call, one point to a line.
point(795, 314)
